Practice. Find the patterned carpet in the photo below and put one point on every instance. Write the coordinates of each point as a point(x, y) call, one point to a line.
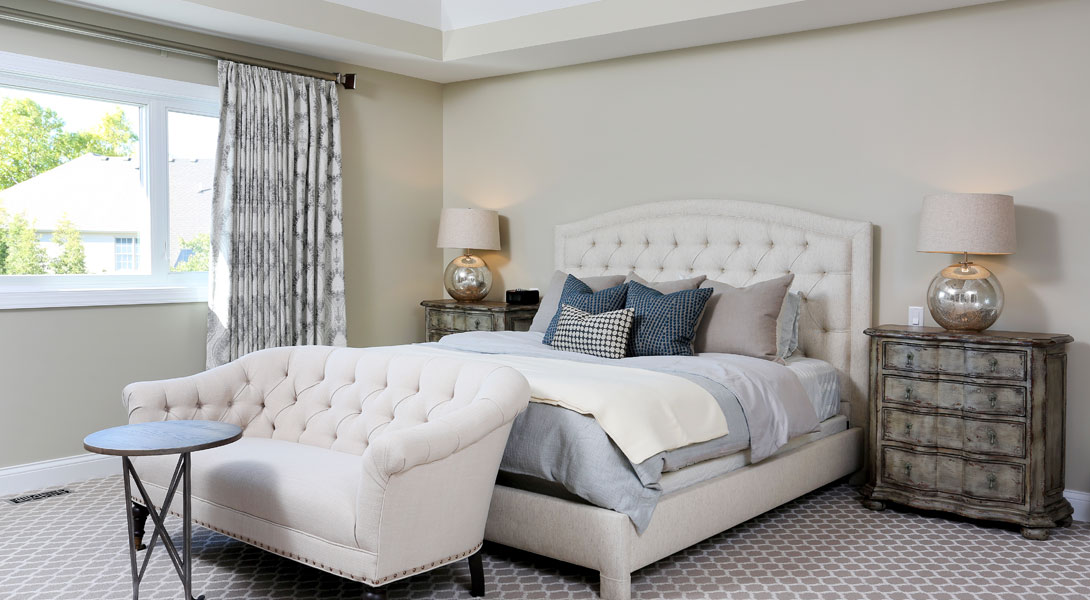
point(821, 546)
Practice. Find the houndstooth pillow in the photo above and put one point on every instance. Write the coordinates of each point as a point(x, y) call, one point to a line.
point(603, 334)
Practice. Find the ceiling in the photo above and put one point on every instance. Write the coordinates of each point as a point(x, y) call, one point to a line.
point(455, 40)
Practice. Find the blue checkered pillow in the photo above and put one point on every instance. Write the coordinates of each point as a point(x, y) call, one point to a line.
point(577, 294)
point(665, 323)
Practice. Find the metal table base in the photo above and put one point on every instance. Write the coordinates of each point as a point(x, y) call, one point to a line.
point(182, 564)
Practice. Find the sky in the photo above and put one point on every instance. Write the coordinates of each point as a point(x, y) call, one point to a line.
point(189, 136)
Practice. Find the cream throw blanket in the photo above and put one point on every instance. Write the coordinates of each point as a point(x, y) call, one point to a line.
point(644, 412)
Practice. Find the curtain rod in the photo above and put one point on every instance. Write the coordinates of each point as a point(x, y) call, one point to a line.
point(348, 80)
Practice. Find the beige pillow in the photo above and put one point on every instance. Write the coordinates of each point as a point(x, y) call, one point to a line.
point(668, 287)
point(742, 320)
point(551, 300)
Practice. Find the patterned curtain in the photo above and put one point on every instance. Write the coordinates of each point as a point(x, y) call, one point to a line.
point(277, 272)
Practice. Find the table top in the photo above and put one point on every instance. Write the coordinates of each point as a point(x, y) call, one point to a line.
point(487, 305)
point(162, 437)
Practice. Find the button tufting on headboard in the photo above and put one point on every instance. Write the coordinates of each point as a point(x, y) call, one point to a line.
point(742, 243)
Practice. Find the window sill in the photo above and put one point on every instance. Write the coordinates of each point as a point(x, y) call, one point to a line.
point(58, 298)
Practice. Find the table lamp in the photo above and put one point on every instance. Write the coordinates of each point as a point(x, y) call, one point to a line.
point(467, 277)
point(966, 296)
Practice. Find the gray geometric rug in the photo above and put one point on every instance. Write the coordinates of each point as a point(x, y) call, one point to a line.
point(821, 546)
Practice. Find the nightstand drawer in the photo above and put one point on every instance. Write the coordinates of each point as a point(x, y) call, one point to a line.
point(997, 364)
point(955, 395)
point(909, 469)
point(911, 357)
point(1002, 482)
point(446, 319)
point(954, 433)
point(994, 364)
point(478, 322)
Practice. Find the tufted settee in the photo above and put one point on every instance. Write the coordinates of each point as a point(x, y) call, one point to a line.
point(366, 463)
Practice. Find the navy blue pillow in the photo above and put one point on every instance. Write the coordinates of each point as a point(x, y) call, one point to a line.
point(579, 295)
point(665, 323)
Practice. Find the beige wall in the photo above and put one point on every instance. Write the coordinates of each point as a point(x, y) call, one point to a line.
point(857, 122)
point(62, 370)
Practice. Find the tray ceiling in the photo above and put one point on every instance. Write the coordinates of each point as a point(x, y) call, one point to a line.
point(455, 40)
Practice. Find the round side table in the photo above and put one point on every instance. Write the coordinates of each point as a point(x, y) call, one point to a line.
point(150, 439)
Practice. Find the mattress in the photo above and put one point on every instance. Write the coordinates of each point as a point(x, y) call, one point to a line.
point(821, 382)
point(675, 481)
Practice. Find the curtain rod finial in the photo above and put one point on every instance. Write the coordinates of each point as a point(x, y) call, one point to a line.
point(348, 80)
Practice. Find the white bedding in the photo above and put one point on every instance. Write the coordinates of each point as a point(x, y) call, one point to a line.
point(644, 412)
point(822, 383)
point(776, 404)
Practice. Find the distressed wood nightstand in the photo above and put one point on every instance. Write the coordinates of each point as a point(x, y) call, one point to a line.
point(443, 317)
point(970, 423)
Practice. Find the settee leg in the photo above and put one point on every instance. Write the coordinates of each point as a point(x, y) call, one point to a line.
point(476, 575)
point(139, 519)
point(374, 593)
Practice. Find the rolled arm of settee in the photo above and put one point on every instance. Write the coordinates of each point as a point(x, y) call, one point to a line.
point(181, 397)
point(502, 396)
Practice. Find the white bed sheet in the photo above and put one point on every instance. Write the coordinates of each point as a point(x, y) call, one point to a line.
point(821, 382)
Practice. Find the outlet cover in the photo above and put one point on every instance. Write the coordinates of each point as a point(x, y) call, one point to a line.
point(915, 316)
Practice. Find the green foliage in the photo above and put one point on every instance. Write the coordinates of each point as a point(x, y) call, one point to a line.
point(25, 256)
point(33, 139)
point(201, 245)
point(72, 259)
point(3, 239)
point(113, 136)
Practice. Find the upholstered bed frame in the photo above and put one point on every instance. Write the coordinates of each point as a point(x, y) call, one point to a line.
point(738, 243)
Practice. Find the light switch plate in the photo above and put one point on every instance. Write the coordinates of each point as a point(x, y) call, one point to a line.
point(915, 316)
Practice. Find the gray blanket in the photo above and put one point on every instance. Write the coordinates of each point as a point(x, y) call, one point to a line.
point(556, 445)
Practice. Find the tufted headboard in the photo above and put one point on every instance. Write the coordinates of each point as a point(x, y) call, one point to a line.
point(741, 243)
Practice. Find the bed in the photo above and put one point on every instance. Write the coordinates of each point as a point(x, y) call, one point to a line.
point(738, 243)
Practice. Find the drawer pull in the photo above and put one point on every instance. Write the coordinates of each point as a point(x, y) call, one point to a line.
point(993, 398)
point(908, 428)
point(993, 363)
point(908, 360)
point(908, 392)
point(476, 323)
point(992, 482)
point(908, 470)
point(992, 438)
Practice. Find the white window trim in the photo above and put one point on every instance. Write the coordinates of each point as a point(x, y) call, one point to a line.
point(157, 97)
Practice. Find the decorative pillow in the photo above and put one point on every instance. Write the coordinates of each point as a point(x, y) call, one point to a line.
point(787, 325)
point(604, 334)
point(668, 287)
point(742, 320)
point(665, 323)
point(550, 302)
point(579, 295)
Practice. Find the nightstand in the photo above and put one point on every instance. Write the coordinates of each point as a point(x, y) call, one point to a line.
point(442, 317)
point(970, 423)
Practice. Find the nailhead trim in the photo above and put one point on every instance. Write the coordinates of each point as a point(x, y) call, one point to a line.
point(302, 559)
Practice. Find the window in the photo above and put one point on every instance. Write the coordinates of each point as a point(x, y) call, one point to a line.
point(105, 185)
point(125, 254)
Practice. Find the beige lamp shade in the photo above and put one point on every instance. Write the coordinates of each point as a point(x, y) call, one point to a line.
point(967, 223)
point(475, 228)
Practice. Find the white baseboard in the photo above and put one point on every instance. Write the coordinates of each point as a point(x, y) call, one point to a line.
point(1080, 501)
point(59, 471)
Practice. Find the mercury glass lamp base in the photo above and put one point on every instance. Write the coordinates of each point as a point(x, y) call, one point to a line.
point(467, 278)
point(965, 297)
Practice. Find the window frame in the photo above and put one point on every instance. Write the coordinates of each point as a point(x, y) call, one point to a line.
point(156, 97)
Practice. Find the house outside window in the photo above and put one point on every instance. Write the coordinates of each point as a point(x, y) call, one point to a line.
point(105, 185)
point(126, 255)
